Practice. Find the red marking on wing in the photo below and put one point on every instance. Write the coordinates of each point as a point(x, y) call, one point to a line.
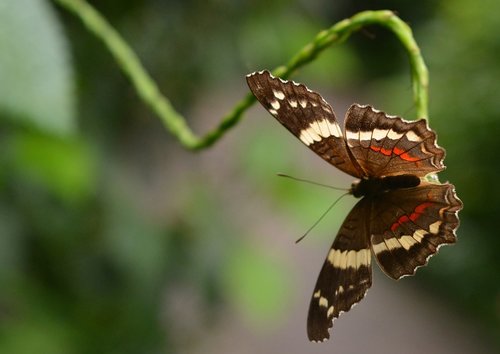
point(419, 210)
point(407, 157)
point(381, 150)
point(397, 151)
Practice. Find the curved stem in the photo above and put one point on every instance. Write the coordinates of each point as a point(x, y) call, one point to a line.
point(148, 90)
point(343, 29)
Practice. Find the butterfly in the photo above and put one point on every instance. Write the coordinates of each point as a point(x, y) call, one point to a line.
point(404, 214)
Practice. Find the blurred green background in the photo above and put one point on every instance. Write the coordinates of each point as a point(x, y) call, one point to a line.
point(113, 239)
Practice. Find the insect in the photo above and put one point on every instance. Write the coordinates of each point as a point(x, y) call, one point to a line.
point(402, 217)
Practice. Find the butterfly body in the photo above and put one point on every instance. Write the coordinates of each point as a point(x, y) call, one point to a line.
point(402, 217)
point(377, 185)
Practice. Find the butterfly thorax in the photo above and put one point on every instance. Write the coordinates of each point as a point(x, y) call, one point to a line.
point(377, 185)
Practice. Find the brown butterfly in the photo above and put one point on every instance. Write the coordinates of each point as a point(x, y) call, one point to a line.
point(402, 218)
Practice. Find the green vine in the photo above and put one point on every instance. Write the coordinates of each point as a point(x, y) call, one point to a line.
point(148, 90)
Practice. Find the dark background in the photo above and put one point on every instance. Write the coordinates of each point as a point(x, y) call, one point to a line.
point(114, 239)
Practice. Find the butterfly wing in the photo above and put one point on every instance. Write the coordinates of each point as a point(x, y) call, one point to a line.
point(346, 273)
point(306, 115)
point(409, 225)
point(386, 145)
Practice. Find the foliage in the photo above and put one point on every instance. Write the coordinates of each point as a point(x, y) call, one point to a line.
point(114, 239)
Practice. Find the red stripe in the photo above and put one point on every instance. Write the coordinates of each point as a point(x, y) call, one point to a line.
point(407, 157)
point(397, 151)
point(418, 211)
point(421, 207)
point(381, 150)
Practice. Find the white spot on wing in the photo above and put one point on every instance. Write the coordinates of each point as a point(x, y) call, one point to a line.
point(313, 133)
point(392, 243)
point(334, 257)
point(349, 259)
point(323, 301)
point(352, 135)
point(419, 235)
point(293, 103)
point(379, 247)
point(318, 130)
point(434, 227)
point(314, 126)
point(306, 137)
point(362, 258)
point(407, 241)
point(410, 135)
point(275, 104)
point(279, 94)
point(367, 136)
point(335, 129)
point(379, 134)
point(323, 127)
point(394, 135)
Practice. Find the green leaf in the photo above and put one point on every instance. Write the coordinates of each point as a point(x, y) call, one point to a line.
point(35, 69)
point(64, 167)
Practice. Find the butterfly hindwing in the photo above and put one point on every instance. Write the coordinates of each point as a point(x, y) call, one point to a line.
point(409, 225)
point(385, 145)
point(345, 276)
point(306, 115)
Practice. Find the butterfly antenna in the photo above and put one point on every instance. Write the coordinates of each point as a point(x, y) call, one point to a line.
point(321, 217)
point(311, 182)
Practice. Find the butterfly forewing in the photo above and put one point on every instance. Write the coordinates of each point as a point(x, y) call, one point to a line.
point(346, 273)
point(410, 225)
point(307, 115)
point(386, 145)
